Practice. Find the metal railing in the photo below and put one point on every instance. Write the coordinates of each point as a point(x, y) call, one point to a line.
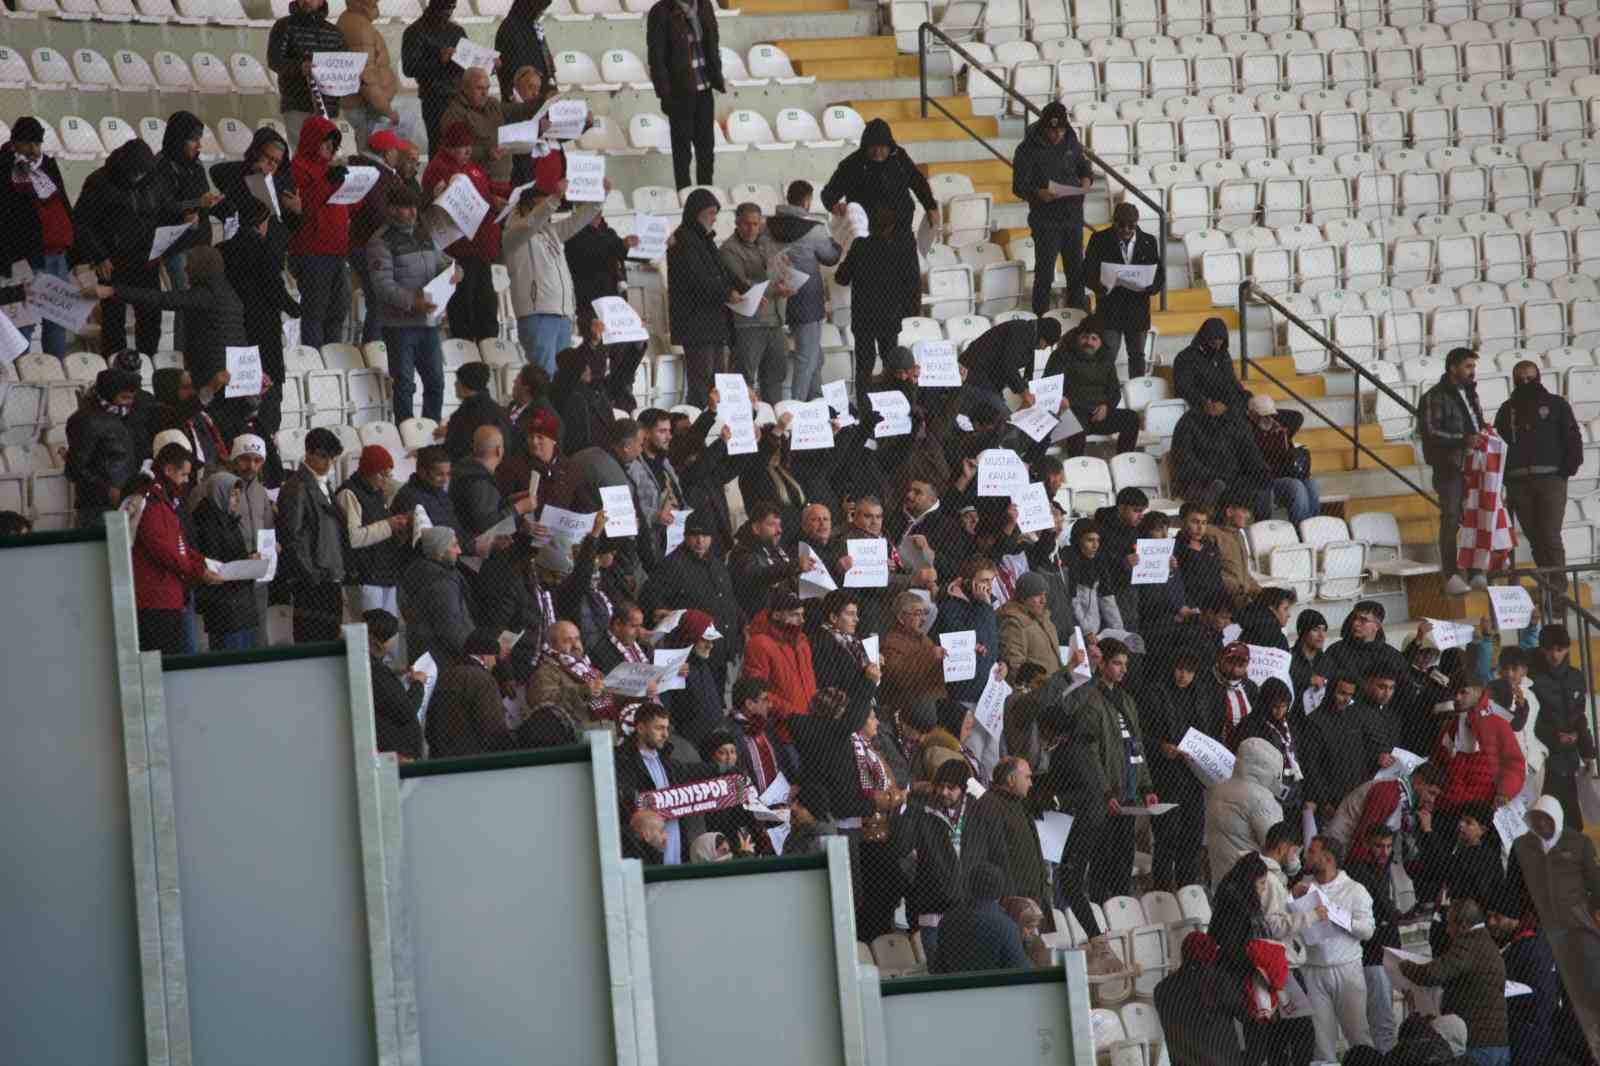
point(927, 30)
point(1558, 594)
point(1248, 290)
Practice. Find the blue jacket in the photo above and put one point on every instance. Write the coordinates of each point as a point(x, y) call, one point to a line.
point(957, 615)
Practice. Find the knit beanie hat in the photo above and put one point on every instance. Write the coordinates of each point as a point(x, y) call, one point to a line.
point(1308, 621)
point(27, 130)
point(543, 422)
point(375, 459)
point(1029, 585)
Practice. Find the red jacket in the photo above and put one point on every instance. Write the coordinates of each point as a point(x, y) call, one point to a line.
point(324, 228)
point(781, 658)
point(165, 564)
point(485, 244)
point(1497, 767)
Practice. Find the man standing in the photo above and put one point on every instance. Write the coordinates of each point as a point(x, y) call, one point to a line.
point(1474, 980)
point(375, 104)
point(375, 556)
point(926, 839)
point(1544, 447)
point(758, 562)
point(758, 347)
point(1563, 723)
point(1483, 763)
point(294, 39)
point(1335, 983)
point(645, 764)
point(401, 260)
point(396, 163)
point(1232, 550)
point(313, 545)
point(35, 217)
point(427, 53)
point(685, 68)
point(1051, 173)
point(807, 247)
point(1372, 872)
point(247, 458)
point(1000, 830)
point(100, 452)
point(1109, 724)
point(1448, 419)
point(1123, 308)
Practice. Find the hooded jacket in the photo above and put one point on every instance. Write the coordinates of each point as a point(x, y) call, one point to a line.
point(1198, 367)
point(401, 260)
point(1552, 881)
point(1026, 637)
point(254, 265)
point(698, 281)
point(420, 48)
point(1037, 163)
point(597, 257)
point(1240, 810)
point(22, 229)
point(1448, 416)
point(883, 270)
point(213, 314)
point(229, 178)
point(180, 180)
point(535, 255)
point(485, 244)
point(324, 227)
point(1542, 436)
point(295, 38)
point(379, 83)
point(229, 607)
point(1207, 449)
point(1090, 380)
point(485, 123)
point(781, 656)
point(669, 38)
point(119, 209)
point(805, 242)
point(891, 183)
point(521, 42)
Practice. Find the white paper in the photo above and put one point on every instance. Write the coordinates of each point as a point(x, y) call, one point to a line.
point(621, 322)
point(519, 137)
point(1155, 560)
point(633, 679)
point(855, 217)
point(896, 412)
point(468, 54)
point(438, 291)
point(669, 622)
point(1450, 634)
point(1053, 827)
point(12, 343)
point(1230, 633)
point(1155, 810)
point(244, 570)
point(267, 548)
point(586, 177)
point(747, 303)
point(263, 188)
point(1001, 472)
point(675, 530)
point(1066, 190)
point(244, 371)
point(338, 73)
point(733, 404)
point(60, 302)
point(652, 231)
point(1036, 421)
point(462, 203)
point(810, 429)
point(1513, 607)
point(567, 119)
point(837, 393)
point(1033, 509)
point(1127, 275)
point(961, 655)
point(570, 526)
point(426, 665)
point(974, 789)
point(1511, 822)
point(1517, 988)
point(1048, 391)
point(1077, 645)
point(1405, 763)
point(783, 274)
point(1208, 758)
point(1068, 426)
point(937, 359)
point(420, 523)
point(621, 518)
point(816, 582)
point(991, 709)
point(358, 181)
point(230, 227)
point(165, 237)
point(870, 646)
point(1269, 662)
point(669, 660)
point(777, 792)
point(869, 558)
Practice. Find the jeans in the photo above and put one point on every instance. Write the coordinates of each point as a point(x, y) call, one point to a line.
point(1380, 1008)
point(1066, 241)
point(1111, 338)
point(53, 338)
point(759, 353)
point(689, 122)
point(542, 336)
point(324, 297)
point(1302, 498)
point(1447, 486)
point(416, 350)
point(372, 321)
point(177, 265)
point(805, 371)
point(1488, 1056)
point(238, 640)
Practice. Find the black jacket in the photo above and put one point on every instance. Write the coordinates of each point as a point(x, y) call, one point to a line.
point(696, 708)
point(1563, 708)
point(437, 79)
point(585, 417)
point(476, 497)
point(827, 757)
point(684, 579)
point(668, 39)
point(1197, 368)
point(633, 777)
point(1257, 625)
point(213, 316)
point(698, 282)
point(118, 210)
point(1542, 436)
point(476, 410)
point(438, 613)
point(1036, 164)
point(891, 183)
point(100, 453)
point(1197, 1004)
point(1122, 308)
point(506, 599)
point(1002, 356)
point(1380, 886)
point(521, 42)
point(596, 257)
point(1208, 449)
point(255, 265)
point(1166, 713)
point(1353, 658)
point(394, 711)
point(440, 509)
point(465, 716)
point(1446, 422)
point(876, 267)
point(1334, 762)
point(311, 532)
point(757, 568)
point(229, 607)
point(295, 38)
point(978, 935)
point(20, 234)
point(181, 181)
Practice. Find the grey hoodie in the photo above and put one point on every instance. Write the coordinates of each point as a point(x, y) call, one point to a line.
point(808, 247)
point(1240, 810)
point(402, 262)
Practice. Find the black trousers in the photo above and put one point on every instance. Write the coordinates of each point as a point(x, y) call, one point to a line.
point(318, 611)
point(473, 311)
point(1064, 240)
point(873, 341)
point(162, 630)
point(690, 120)
point(1178, 840)
point(1084, 845)
point(1111, 872)
point(1121, 421)
point(1281, 1042)
point(146, 320)
point(433, 109)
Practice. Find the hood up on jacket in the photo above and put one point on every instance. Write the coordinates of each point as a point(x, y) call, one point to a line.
point(316, 130)
point(182, 127)
point(697, 202)
point(264, 136)
point(877, 135)
point(1211, 329)
point(788, 224)
point(1258, 762)
point(131, 165)
point(1551, 807)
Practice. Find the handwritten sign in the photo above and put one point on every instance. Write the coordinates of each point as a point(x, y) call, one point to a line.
point(519, 137)
point(358, 181)
point(586, 177)
point(1047, 391)
point(991, 709)
point(461, 201)
point(1208, 758)
point(1001, 472)
point(58, 301)
point(810, 429)
point(1513, 607)
point(567, 119)
point(652, 231)
point(937, 360)
point(621, 518)
point(896, 412)
point(1155, 560)
point(733, 404)
point(671, 660)
point(338, 73)
point(1033, 509)
point(869, 559)
point(244, 371)
point(621, 323)
point(697, 797)
point(961, 655)
point(1036, 421)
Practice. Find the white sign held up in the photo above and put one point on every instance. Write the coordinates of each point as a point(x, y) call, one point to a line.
point(961, 655)
point(586, 177)
point(460, 200)
point(810, 430)
point(1155, 560)
point(652, 231)
point(1513, 607)
point(358, 181)
point(469, 54)
point(896, 412)
point(338, 73)
point(1001, 472)
point(733, 404)
point(60, 302)
point(621, 518)
point(1207, 757)
point(620, 321)
point(937, 360)
point(244, 372)
point(870, 563)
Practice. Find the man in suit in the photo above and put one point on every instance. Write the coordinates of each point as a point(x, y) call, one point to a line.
point(1124, 312)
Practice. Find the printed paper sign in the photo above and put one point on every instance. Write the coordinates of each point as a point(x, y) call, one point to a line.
point(460, 201)
point(1036, 421)
point(961, 655)
point(519, 137)
point(1404, 765)
point(991, 709)
point(652, 231)
point(166, 237)
point(438, 291)
point(938, 362)
point(338, 73)
point(567, 119)
point(513, 200)
point(1069, 426)
point(20, 313)
point(568, 525)
point(1033, 509)
point(896, 412)
point(810, 429)
point(633, 680)
point(586, 177)
point(1269, 662)
point(244, 570)
point(785, 276)
point(1155, 560)
point(1047, 391)
point(1207, 758)
point(733, 404)
point(675, 531)
point(1513, 607)
point(1138, 278)
point(621, 518)
point(697, 797)
point(58, 301)
point(869, 558)
point(1001, 472)
point(244, 372)
point(358, 181)
point(12, 343)
point(1449, 635)
point(621, 322)
point(469, 54)
point(749, 302)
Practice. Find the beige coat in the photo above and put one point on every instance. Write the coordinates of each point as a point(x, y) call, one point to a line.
point(1028, 638)
point(534, 251)
point(485, 123)
point(379, 82)
point(1235, 556)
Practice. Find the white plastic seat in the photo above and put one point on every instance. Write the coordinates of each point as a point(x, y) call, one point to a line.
point(172, 73)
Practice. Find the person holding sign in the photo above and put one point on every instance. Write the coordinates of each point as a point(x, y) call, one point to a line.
point(426, 50)
point(212, 312)
point(117, 212)
point(165, 564)
point(377, 104)
point(1001, 358)
point(1051, 173)
point(759, 350)
point(522, 45)
point(319, 247)
point(1335, 982)
point(686, 68)
point(474, 309)
point(293, 40)
point(35, 218)
point(1093, 388)
point(228, 610)
point(875, 268)
point(401, 261)
point(698, 279)
point(1123, 309)
point(543, 294)
point(181, 182)
point(806, 246)
point(645, 764)
point(473, 105)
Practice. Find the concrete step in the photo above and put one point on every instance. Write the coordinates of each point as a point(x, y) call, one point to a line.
point(859, 68)
point(808, 48)
point(792, 7)
point(1427, 598)
point(896, 111)
point(918, 130)
point(1332, 459)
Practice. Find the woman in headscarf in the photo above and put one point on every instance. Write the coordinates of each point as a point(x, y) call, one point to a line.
point(714, 847)
point(473, 310)
point(1094, 608)
point(1271, 720)
point(181, 182)
point(228, 610)
point(698, 285)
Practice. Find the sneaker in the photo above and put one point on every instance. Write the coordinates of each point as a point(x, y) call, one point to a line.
point(1101, 961)
point(1456, 586)
point(1479, 581)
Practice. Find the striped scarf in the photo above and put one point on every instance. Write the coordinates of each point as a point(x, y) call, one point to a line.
point(582, 671)
point(1485, 540)
point(850, 644)
point(869, 767)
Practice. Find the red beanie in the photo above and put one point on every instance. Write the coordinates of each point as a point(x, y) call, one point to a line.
point(545, 422)
point(375, 459)
point(459, 135)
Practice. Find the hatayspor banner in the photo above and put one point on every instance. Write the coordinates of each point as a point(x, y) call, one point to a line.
point(697, 797)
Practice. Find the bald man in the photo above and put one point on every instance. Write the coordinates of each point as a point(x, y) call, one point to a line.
point(478, 504)
point(646, 839)
point(485, 114)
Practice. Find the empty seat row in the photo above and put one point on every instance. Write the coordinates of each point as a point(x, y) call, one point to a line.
point(621, 68)
point(88, 70)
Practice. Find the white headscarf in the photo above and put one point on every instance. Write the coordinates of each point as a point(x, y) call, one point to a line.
point(1551, 806)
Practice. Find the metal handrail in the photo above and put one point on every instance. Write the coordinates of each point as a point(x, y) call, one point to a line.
point(927, 29)
point(1587, 621)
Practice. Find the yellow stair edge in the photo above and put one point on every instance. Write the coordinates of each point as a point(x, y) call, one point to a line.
point(1185, 324)
point(798, 48)
point(1336, 460)
point(859, 68)
point(912, 131)
point(901, 109)
point(986, 169)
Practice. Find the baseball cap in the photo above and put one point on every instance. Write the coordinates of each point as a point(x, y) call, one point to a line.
point(248, 444)
point(389, 141)
point(1237, 650)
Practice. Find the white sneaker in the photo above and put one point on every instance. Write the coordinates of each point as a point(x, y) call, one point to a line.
point(1479, 581)
point(1456, 586)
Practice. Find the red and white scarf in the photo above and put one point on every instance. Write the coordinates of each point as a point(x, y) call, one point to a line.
point(874, 775)
point(582, 671)
point(1485, 540)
